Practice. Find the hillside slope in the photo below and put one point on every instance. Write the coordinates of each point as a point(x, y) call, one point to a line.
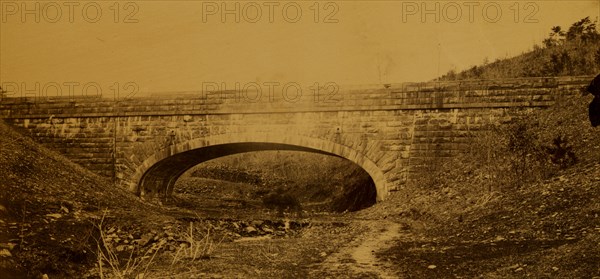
point(510, 207)
point(50, 209)
point(571, 52)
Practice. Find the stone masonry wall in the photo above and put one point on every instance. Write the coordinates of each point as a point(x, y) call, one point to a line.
point(400, 128)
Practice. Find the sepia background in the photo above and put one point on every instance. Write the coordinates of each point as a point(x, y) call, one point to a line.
point(169, 46)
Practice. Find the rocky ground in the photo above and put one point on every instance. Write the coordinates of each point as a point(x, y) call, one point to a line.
point(550, 230)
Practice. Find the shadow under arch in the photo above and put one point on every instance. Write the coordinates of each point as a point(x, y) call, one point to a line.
point(158, 173)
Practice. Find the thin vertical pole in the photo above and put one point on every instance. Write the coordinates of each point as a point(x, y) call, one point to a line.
point(114, 153)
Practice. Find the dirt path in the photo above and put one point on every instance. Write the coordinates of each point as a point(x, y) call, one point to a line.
point(357, 259)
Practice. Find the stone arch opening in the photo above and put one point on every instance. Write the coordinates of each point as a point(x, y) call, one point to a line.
point(157, 175)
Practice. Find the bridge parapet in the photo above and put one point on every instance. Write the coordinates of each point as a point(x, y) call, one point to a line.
point(531, 92)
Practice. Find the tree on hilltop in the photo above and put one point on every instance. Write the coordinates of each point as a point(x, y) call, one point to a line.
point(574, 51)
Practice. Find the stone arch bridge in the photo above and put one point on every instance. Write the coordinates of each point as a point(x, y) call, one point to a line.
point(145, 143)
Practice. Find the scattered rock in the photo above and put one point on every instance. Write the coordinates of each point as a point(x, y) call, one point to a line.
point(257, 223)
point(54, 215)
point(250, 229)
point(4, 253)
point(515, 266)
point(499, 238)
point(145, 239)
point(267, 229)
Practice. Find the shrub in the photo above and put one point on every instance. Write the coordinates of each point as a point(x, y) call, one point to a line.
point(282, 201)
point(561, 152)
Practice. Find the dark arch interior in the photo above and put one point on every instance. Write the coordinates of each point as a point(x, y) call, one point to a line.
point(272, 180)
point(161, 177)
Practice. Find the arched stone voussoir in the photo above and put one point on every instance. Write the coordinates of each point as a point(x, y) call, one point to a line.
point(158, 173)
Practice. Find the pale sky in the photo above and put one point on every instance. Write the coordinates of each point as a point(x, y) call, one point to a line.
point(172, 48)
